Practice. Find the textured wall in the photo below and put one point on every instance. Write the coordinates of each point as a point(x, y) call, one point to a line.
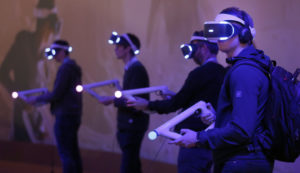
point(161, 25)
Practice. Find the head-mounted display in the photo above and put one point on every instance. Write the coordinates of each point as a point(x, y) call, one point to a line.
point(50, 52)
point(116, 39)
point(188, 50)
point(222, 28)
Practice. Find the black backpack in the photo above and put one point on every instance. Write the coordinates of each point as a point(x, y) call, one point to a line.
point(281, 137)
point(282, 116)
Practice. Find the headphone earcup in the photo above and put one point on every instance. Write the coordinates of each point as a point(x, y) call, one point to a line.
point(245, 35)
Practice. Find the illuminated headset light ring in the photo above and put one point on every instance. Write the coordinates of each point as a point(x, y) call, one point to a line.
point(217, 28)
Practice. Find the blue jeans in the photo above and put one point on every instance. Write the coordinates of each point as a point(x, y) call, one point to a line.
point(245, 166)
point(67, 145)
point(130, 144)
point(194, 160)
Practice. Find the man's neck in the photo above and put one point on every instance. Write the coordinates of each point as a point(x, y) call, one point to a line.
point(64, 59)
point(235, 52)
point(208, 56)
point(211, 58)
point(127, 58)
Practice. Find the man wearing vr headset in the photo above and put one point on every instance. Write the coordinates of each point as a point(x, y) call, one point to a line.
point(238, 131)
point(66, 105)
point(132, 124)
point(202, 83)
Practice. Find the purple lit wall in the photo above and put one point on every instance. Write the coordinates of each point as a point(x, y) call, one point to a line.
point(161, 25)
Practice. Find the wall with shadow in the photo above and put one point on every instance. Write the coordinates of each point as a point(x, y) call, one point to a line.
point(161, 26)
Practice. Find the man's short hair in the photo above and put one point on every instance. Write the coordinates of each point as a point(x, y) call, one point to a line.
point(212, 47)
point(63, 43)
point(134, 39)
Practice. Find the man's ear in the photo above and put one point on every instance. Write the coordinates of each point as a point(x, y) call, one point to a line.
point(128, 48)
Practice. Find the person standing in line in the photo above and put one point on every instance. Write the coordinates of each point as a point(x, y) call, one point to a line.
point(203, 83)
point(66, 105)
point(132, 124)
point(238, 137)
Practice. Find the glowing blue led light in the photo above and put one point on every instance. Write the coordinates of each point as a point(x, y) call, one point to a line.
point(70, 49)
point(152, 135)
point(118, 94)
point(190, 48)
point(136, 52)
point(210, 30)
point(118, 40)
point(49, 57)
point(47, 49)
point(181, 46)
point(114, 33)
point(110, 42)
point(186, 56)
point(15, 95)
point(79, 88)
point(223, 38)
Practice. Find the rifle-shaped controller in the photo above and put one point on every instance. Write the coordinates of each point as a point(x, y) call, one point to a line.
point(89, 87)
point(164, 130)
point(128, 94)
point(24, 94)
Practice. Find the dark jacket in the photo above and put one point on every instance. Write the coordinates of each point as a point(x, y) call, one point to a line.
point(240, 109)
point(130, 119)
point(64, 99)
point(202, 83)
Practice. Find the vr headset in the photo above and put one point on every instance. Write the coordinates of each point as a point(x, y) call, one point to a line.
point(221, 29)
point(50, 52)
point(188, 50)
point(118, 39)
point(114, 38)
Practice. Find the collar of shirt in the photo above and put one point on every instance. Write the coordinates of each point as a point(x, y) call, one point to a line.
point(66, 59)
point(212, 59)
point(130, 62)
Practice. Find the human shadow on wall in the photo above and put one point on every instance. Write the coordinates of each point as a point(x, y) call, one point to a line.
point(22, 69)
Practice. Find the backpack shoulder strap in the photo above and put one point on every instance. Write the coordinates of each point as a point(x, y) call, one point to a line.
point(252, 63)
